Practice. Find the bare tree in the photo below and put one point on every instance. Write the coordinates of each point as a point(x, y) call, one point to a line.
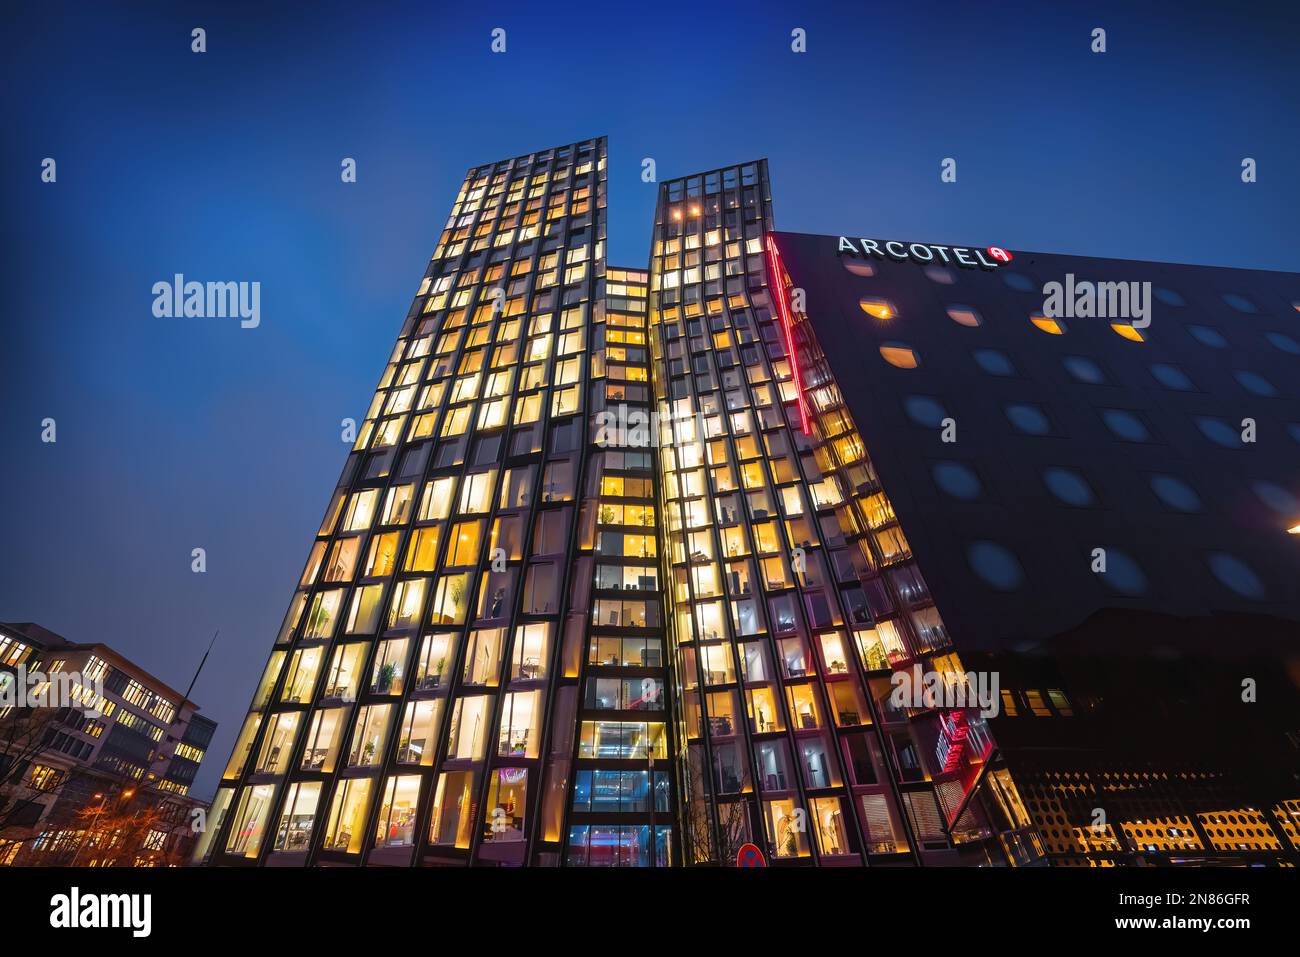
point(117, 836)
point(721, 843)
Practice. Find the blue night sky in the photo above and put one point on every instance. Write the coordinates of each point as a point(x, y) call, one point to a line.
point(183, 433)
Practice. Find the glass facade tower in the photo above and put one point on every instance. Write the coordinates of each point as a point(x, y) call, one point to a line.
point(776, 527)
point(472, 667)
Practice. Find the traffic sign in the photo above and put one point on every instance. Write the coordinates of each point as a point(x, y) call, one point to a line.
point(750, 856)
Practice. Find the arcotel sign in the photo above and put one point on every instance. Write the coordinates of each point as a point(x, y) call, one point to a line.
point(965, 256)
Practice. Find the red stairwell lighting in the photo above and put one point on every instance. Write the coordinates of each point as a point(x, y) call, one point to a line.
point(776, 282)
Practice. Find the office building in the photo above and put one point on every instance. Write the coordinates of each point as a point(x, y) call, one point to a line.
point(96, 779)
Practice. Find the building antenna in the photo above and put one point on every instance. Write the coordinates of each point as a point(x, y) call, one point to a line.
point(202, 663)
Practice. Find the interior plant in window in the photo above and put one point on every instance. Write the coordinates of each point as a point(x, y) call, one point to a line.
point(458, 596)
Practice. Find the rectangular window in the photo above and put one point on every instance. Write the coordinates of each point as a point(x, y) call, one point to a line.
point(463, 547)
point(467, 737)
point(398, 804)
point(278, 743)
point(432, 668)
point(301, 678)
point(298, 817)
point(437, 499)
point(389, 671)
point(361, 510)
point(521, 716)
point(483, 656)
point(408, 600)
point(364, 617)
point(541, 591)
point(347, 817)
point(418, 735)
point(343, 678)
point(383, 555)
point(529, 655)
point(323, 738)
point(453, 803)
point(423, 553)
point(369, 735)
point(249, 824)
point(449, 600)
point(507, 800)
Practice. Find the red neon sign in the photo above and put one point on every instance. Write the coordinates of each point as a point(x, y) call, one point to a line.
point(776, 282)
point(953, 732)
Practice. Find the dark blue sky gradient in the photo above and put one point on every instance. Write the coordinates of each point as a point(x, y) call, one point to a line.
point(176, 433)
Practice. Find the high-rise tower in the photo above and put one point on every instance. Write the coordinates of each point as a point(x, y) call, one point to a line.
point(775, 524)
point(472, 667)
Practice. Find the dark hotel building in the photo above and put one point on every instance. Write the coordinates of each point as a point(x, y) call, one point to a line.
point(838, 546)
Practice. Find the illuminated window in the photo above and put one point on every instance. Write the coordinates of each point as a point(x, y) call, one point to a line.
point(1051, 326)
point(464, 543)
point(249, 823)
point(361, 510)
point(346, 829)
point(298, 817)
point(964, 316)
point(395, 826)
point(879, 308)
point(370, 732)
point(423, 553)
point(900, 356)
point(408, 599)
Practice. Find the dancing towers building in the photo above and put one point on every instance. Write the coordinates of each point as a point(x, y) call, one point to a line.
point(597, 588)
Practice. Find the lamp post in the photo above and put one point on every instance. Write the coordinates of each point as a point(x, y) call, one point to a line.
point(93, 821)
